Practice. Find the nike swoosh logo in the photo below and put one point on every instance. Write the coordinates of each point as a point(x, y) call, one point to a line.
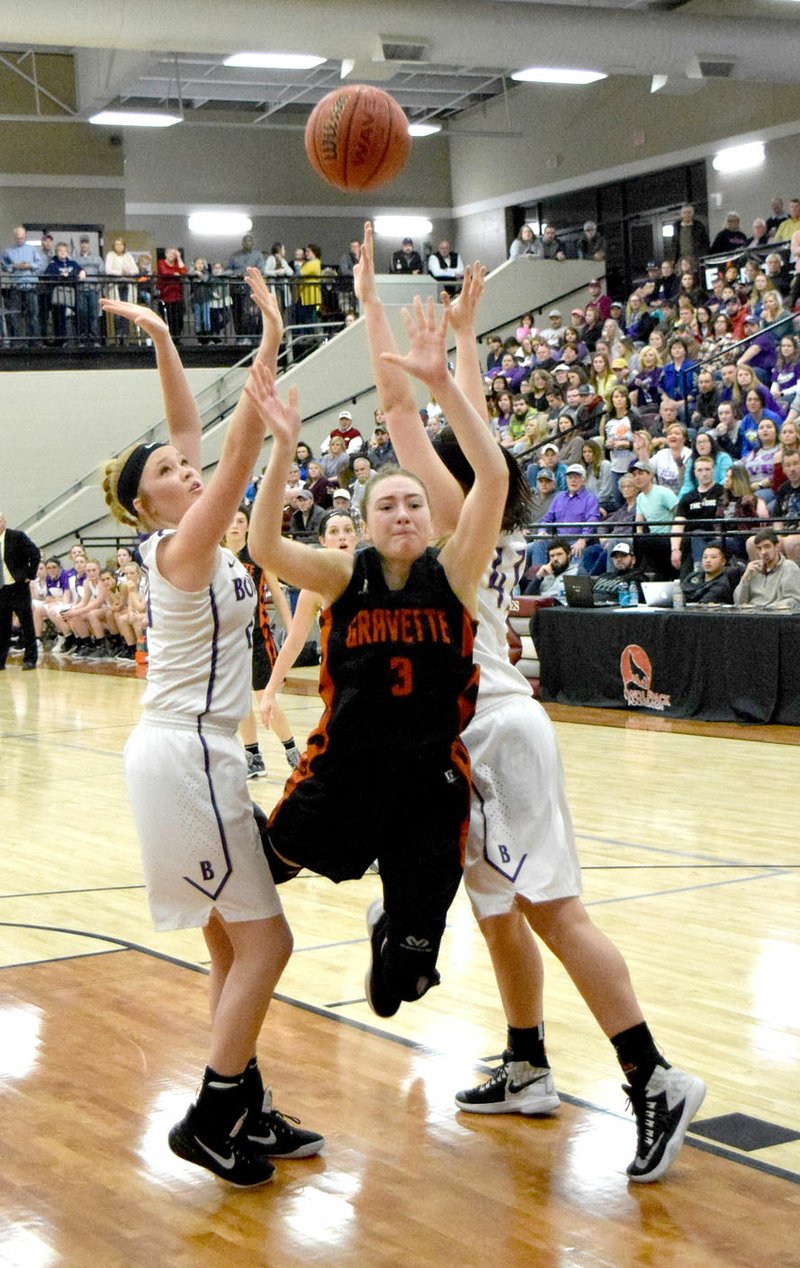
point(653, 1148)
point(513, 1088)
point(271, 1139)
point(231, 563)
point(228, 1163)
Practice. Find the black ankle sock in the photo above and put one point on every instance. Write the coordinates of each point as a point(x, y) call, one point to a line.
point(221, 1103)
point(252, 748)
point(253, 1086)
point(290, 743)
point(528, 1045)
point(637, 1054)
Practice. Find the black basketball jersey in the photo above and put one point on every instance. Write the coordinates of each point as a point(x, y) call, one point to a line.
point(397, 679)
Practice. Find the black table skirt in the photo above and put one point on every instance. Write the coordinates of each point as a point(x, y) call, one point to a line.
point(720, 665)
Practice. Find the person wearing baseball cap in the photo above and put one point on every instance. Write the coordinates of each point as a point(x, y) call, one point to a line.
point(622, 568)
point(577, 510)
point(601, 302)
point(761, 353)
point(353, 440)
point(546, 459)
point(544, 491)
point(655, 504)
point(406, 260)
point(305, 520)
point(576, 320)
point(591, 244)
point(381, 451)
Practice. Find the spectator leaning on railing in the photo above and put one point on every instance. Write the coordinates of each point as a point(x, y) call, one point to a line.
point(24, 262)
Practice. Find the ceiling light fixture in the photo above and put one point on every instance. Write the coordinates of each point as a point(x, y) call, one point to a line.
point(739, 158)
point(135, 118)
point(556, 75)
point(275, 61)
point(402, 226)
point(219, 224)
point(423, 129)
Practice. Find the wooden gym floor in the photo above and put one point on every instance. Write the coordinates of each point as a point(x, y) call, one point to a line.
point(689, 846)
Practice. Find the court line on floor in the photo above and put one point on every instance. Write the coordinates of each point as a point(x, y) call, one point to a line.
point(685, 889)
point(650, 849)
point(60, 959)
point(693, 1142)
point(580, 836)
point(325, 946)
point(57, 893)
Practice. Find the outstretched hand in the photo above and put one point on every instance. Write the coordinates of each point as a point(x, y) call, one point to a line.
point(145, 318)
point(364, 270)
point(462, 310)
point(283, 420)
point(266, 302)
point(426, 358)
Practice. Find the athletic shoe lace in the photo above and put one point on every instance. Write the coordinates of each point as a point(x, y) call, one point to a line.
point(501, 1073)
point(645, 1111)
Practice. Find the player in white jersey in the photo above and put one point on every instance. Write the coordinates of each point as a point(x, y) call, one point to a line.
point(184, 767)
point(521, 870)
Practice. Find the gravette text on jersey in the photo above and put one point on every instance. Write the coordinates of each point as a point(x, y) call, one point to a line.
point(398, 625)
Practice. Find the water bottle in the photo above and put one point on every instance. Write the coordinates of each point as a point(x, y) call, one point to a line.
point(623, 595)
point(677, 595)
point(633, 595)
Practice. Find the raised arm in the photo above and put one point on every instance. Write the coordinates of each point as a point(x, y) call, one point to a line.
point(462, 322)
point(272, 322)
point(409, 439)
point(180, 406)
point(327, 572)
point(188, 558)
point(308, 604)
point(468, 551)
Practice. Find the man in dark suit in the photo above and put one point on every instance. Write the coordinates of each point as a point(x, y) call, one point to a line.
point(19, 559)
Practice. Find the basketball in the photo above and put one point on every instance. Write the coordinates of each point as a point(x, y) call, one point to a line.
point(357, 138)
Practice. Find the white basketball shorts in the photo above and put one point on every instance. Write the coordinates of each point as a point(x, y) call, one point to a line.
point(521, 839)
point(201, 849)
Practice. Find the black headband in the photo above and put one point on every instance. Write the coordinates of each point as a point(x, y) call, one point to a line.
point(131, 474)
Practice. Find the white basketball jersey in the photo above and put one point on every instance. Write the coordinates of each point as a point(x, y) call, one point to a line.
point(498, 676)
point(199, 642)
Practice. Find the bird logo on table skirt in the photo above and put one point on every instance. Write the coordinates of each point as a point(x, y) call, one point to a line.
point(635, 667)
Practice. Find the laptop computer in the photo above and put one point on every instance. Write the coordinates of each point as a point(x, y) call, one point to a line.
point(658, 594)
point(579, 593)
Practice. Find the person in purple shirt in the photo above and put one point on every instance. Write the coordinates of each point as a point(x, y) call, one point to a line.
point(760, 353)
point(574, 509)
point(512, 371)
point(786, 377)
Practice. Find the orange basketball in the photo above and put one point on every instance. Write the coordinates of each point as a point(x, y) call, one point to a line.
point(357, 138)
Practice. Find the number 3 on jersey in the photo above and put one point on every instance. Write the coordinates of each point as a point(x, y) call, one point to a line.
point(402, 678)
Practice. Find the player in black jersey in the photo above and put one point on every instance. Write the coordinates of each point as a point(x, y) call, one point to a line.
point(397, 679)
point(265, 652)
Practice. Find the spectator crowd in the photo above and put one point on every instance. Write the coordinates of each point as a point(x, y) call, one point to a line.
point(659, 432)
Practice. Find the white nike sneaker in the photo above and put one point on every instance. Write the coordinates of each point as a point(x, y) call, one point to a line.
point(663, 1112)
point(515, 1087)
